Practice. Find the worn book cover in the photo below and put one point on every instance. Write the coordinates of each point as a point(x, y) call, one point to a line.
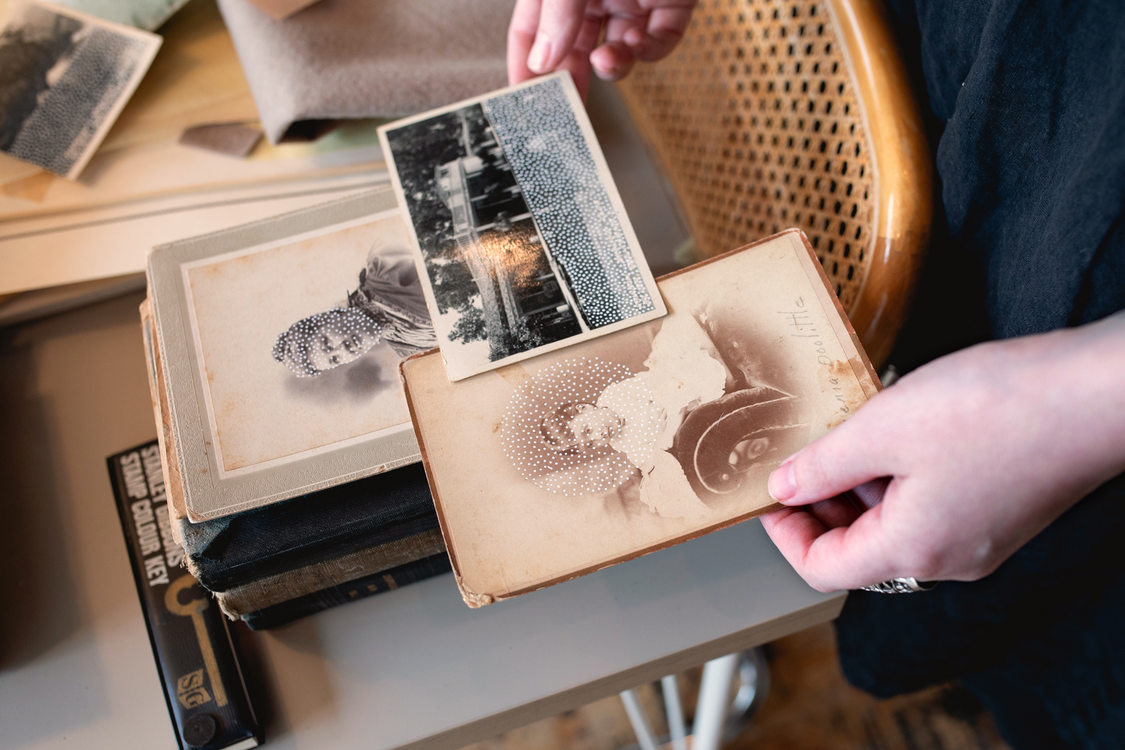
point(197, 660)
point(344, 593)
point(276, 346)
point(584, 457)
point(308, 579)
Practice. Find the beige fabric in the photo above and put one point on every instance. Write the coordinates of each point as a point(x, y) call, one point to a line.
point(230, 138)
point(367, 58)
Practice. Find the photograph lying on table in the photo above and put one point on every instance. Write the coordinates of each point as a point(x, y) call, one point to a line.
point(280, 343)
point(142, 14)
point(581, 458)
point(64, 78)
point(523, 243)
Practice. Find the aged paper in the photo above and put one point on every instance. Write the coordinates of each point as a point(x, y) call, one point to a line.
point(620, 445)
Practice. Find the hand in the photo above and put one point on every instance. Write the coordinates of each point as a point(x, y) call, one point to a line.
point(957, 465)
point(606, 36)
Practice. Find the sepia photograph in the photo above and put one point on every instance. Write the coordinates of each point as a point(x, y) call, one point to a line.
point(649, 436)
point(64, 78)
point(298, 342)
point(522, 234)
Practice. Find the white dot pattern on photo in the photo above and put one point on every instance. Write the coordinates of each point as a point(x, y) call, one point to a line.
point(72, 111)
point(578, 471)
point(562, 185)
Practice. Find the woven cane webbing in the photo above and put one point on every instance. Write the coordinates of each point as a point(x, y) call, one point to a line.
point(755, 120)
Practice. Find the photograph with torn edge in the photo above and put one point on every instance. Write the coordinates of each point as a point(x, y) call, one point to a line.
point(64, 78)
point(621, 445)
point(521, 233)
point(280, 349)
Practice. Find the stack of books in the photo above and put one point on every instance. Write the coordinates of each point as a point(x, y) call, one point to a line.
point(292, 488)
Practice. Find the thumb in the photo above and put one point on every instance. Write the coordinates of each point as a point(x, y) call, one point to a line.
point(845, 458)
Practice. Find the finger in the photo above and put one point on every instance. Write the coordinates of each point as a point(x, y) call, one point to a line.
point(850, 455)
point(559, 24)
point(578, 61)
point(612, 61)
point(793, 531)
point(831, 559)
point(836, 511)
point(521, 34)
point(664, 30)
point(870, 494)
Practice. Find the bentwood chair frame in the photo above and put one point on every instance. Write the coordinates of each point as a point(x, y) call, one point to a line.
point(779, 113)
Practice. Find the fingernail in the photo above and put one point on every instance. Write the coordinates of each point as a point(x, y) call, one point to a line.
point(540, 54)
point(606, 74)
point(782, 483)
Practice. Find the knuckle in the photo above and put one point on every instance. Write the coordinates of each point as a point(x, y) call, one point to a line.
point(924, 560)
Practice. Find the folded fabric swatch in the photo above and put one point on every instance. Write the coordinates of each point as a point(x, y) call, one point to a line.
point(361, 58)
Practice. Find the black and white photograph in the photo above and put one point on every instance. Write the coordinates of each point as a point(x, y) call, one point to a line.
point(64, 78)
point(143, 14)
point(280, 345)
point(298, 342)
point(524, 241)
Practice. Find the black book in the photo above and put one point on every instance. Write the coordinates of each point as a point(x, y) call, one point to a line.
point(243, 547)
point(195, 654)
point(360, 588)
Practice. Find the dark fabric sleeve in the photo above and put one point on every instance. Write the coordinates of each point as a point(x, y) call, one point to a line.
point(1028, 101)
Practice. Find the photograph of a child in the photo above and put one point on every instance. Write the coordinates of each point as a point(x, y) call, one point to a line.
point(300, 340)
point(673, 436)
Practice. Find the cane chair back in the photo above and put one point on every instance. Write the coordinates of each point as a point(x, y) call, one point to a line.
point(780, 113)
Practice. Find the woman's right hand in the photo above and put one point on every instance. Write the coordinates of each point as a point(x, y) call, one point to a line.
point(603, 36)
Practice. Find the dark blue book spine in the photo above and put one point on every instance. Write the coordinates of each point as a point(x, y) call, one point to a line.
point(243, 547)
point(360, 588)
point(195, 654)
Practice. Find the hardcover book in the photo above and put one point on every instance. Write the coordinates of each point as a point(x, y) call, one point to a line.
point(583, 457)
point(196, 657)
point(276, 349)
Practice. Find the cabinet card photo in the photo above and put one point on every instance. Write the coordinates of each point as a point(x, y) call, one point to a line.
point(584, 457)
point(280, 345)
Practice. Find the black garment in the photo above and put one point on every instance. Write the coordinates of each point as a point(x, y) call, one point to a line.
point(1027, 101)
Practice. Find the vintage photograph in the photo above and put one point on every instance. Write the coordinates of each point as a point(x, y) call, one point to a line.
point(143, 14)
point(64, 78)
point(299, 341)
point(522, 234)
point(623, 444)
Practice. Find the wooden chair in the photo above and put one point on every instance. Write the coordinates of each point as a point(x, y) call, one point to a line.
point(779, 113)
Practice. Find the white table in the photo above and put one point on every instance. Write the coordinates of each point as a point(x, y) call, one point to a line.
point(409, 668)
